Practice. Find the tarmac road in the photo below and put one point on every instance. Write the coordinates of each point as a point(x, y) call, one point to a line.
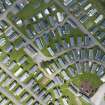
point(98, 98)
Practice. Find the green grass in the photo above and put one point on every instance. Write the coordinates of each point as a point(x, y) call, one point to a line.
point(4, 96)
point(90, 23)
point(74, 32)
point(92, 78)
point(13, 1)
point(16, 55)
point(45, 52)
point(84, 102)
point(24, 14)
point(33, 7)
point(99, 5)
point(72, 98)
point(66, 92)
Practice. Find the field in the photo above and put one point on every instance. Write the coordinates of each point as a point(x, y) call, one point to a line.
point(72, 99)
point(92, 78)
point(99, 4)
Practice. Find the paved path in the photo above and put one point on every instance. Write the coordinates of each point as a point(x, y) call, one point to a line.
point(73, 62)
point(12, 98)
point(78, 101)
point(80, 26)
point(25, 86)
point(98, 98)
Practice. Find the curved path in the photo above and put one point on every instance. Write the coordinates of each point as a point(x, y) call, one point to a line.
point(98, 98)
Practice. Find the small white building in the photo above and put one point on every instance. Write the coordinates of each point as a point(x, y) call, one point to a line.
point(60, 17)
point(99, 18)
point(48, 71)
point(65, 101)
point(18, 72)
point(92, 12)
point(87, 6)
point(33, 19)
point(2, 42)
point(39, 76)
point(24, 97)
point(50, 51)
point(13, 85)
point(19, 22)
point(46, 12)
point(18, 91)
point(24, 77)
point(40, 16)
point(103, 78)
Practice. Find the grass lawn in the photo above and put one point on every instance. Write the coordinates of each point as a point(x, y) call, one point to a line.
point(72, 97)
point(90, 23)
point(45, 52)
point(4, 96)
point(33, 7)
point(83, 102)
point(66, 92)
point(99, 5)
point(13, 1)
point(76, 32)
point(16, 55)
point(92, 78)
